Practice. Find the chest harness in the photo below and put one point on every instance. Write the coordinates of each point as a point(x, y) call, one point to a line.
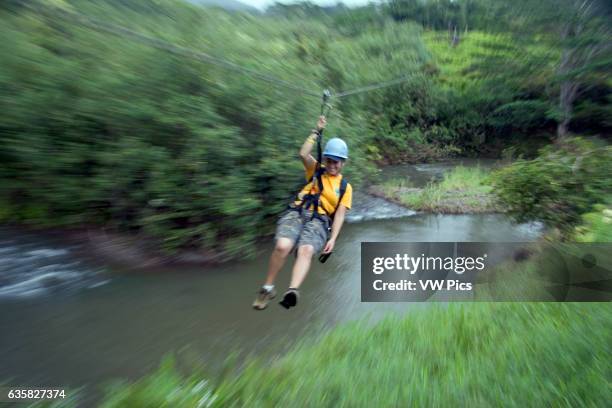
point(313, 198)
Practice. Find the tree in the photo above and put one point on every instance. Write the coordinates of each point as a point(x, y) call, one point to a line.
point(585, 37)
point(581, 29)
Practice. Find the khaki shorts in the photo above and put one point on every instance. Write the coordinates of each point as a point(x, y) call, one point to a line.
point(303, 229)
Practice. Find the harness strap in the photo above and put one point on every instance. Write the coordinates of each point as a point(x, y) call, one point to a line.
point(314, 199)
point(320, 170)
point(343, 184)
point(317, 176)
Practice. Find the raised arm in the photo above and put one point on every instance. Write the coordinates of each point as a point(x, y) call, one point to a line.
point(306, 148)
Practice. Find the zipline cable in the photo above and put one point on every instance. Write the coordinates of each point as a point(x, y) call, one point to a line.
point(374, 86)
point(161, 44)
point(121, 31)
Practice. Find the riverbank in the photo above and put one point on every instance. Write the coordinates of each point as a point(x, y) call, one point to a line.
point(137, 251)
point(542, 354)
point(462, 190)
point(111, 322)
point(490, 354)
point(116, 248)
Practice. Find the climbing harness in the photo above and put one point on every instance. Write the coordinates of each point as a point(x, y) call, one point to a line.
point(313, 197)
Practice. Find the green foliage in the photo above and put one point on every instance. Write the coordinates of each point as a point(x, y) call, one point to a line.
point(563, 182)
point(596, 225)
point(522, 115)
point(101, 130)
point(483, 354)
point(491, 87)
point(97, 129)
point(462, 190)
point(166, 388)
point(439, 14)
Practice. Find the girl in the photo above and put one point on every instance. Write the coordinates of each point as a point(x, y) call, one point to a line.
point(321, 203)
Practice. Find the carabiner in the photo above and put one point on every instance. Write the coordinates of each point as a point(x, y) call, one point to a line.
point(325, 102)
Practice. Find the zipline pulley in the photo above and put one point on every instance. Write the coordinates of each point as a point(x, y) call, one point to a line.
point(325, 105)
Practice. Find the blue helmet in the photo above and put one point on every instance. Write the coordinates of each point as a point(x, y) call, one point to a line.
point(336, 148)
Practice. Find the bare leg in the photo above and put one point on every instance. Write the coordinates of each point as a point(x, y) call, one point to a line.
point(302, 265)
point(277, 258)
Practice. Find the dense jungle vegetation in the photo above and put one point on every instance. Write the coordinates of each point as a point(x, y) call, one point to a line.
point(99, 130)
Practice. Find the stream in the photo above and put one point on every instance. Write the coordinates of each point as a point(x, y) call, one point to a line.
point(69, 320)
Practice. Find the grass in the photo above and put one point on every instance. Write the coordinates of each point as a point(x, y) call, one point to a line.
point(597, 225)
point(480, 355)
point(462, 190)
point(461, 354)
point(459, 66)
point(393, 187)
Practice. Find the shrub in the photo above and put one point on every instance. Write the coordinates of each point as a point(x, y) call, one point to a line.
point(563, 182)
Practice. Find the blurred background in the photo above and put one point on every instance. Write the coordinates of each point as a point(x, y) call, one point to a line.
point(147, 148)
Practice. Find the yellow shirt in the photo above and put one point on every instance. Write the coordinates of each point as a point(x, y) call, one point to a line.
point(331, 191)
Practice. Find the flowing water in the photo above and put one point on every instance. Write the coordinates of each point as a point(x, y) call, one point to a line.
point(68, 320)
